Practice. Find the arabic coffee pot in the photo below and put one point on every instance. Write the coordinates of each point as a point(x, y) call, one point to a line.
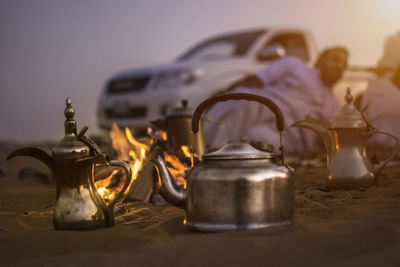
point(345, 140)
point(177, 124)
point(78, 206)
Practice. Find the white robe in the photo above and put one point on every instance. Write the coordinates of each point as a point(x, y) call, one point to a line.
point(295, 88)
point(383, 99)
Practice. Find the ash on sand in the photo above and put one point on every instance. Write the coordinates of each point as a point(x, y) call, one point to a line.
point(346, 228)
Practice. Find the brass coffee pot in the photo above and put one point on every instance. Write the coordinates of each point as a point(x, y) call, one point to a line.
point(236, 187)
point(345, 139)
point(177, 125)
point(78, 206)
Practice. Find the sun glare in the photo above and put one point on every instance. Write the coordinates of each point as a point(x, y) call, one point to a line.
point(391, 7)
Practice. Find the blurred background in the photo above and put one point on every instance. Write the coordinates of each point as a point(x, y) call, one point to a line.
point(53, 49)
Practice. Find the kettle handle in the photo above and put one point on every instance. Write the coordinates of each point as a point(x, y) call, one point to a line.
point(280, 123)
point(394, 153)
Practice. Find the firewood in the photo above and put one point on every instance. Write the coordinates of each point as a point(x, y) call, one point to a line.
point(143, 187)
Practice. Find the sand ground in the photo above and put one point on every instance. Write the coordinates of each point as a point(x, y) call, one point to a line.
point(346, 228)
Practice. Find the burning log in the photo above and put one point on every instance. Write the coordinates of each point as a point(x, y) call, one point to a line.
point(145, 184)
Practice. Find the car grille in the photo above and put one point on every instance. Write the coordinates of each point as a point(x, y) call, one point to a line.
point(131, 112)
point(128, 85)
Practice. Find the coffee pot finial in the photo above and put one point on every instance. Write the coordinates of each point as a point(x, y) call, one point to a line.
point(69, 111)
point(348, 97)
point(70, 123)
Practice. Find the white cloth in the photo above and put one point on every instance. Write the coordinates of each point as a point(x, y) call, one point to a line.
point(383, 100)
point(295, 88)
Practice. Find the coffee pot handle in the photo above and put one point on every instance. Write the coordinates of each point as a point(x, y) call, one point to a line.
point(394, 153)
point(240, 96)
point(101, 159)
point(122, 193)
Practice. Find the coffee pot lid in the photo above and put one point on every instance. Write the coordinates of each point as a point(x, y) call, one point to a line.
point(183, 111)
point(238, 150)
point(70, 147)
point(348, 117)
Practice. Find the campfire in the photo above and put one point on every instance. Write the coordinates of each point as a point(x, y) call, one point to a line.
point(137, 152)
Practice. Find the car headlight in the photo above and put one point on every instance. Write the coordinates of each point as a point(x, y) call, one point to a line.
point(177, 78)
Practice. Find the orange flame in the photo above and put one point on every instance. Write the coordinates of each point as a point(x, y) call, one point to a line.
point(128, 149)
point(134, 152)
point(178, 168)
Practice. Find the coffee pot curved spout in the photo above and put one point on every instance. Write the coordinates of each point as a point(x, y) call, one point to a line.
point(44, 155)
point(173, 194)
point(321, 129)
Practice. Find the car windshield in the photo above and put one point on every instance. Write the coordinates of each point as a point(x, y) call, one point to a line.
point(224, 46)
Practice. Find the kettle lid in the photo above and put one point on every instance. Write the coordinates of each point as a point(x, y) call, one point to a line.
point(348, 116)
point(238, 150)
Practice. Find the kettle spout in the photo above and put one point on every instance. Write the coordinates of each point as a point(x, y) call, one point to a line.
point(173, 194)
point(41, 154)
point(320, 128)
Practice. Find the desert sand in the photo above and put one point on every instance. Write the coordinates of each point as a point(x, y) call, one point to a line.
point(346, 228)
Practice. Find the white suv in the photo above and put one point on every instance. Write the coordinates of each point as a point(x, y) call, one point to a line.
point(134, 98)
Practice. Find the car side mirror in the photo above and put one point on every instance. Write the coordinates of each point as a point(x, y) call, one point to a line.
point(271, 52)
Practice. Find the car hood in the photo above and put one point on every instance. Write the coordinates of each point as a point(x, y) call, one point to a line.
point(223, 64)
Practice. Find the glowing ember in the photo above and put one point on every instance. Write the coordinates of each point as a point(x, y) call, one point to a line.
point(102, 184)
point(107, 194)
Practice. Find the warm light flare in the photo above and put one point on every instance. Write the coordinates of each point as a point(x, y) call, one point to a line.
point(391, 5)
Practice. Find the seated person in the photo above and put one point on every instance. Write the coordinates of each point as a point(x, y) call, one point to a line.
point(296, 88)
point(383, 99)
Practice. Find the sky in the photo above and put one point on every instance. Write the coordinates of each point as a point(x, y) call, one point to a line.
point(53, 49)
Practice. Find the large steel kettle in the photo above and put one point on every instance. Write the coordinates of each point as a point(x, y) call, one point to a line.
point(236, 187)
point(345, 139)
point(78, 206)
